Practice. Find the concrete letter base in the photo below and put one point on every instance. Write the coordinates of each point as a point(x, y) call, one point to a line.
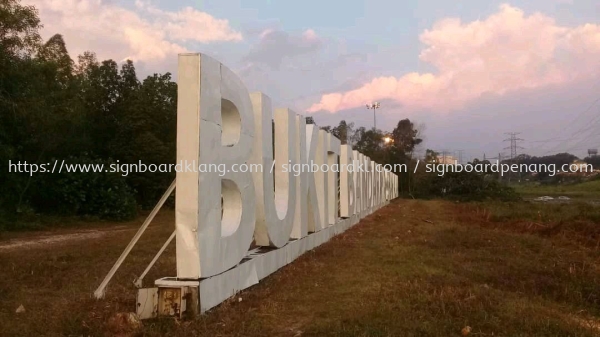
point(259, 264)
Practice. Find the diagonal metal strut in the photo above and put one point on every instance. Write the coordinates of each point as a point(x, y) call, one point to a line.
point(99, 293)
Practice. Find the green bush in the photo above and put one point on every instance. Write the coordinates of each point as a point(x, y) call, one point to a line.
point(102, 194)
point(464, 186)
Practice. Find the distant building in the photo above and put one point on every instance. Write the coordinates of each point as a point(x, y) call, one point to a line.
point(579, 166)
point(447, 160)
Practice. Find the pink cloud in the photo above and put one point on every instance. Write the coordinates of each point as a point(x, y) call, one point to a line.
point(505, 52)
point(148, 34)
point(310, 35)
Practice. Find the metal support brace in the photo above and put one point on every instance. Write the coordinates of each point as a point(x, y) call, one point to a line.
point(138, 281)
point(99, 293)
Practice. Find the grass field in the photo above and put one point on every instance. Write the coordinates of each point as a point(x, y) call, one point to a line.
point(414, 268)
point(588, 190)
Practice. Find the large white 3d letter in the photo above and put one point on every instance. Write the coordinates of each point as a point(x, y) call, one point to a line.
point(215, 211)
point(358, 172)
point(321, 176)
point(333, 154)
point(300, 228)
point(347, 182)
point(314, 212)
point(275, 205)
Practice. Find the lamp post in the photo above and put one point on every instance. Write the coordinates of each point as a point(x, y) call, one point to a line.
point(374, 106)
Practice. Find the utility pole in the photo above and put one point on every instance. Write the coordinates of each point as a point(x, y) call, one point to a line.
point(374, 106)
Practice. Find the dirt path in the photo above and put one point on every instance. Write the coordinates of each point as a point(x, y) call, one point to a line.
point(50, 239)
point(93, 230)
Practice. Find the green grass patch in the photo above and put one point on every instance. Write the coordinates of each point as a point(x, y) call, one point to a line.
point(585, 190)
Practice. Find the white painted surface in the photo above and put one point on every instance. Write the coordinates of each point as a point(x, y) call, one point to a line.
point(208, 243)
point(347, 202)
point(300, 227)
point(313, 206)
point(275, 198)
point(220, 123)
point(333, 154)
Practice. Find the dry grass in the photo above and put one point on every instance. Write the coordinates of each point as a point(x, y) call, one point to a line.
point(415, 268)
point(589, 190)
point(574, 221)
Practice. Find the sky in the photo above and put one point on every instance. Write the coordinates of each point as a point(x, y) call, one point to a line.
point(465, 72)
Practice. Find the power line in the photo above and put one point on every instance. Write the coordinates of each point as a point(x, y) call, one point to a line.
point(588, 126)
point(575, 135)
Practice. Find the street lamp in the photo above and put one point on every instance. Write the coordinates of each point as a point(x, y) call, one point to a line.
point(387, 140)
point(374, 106)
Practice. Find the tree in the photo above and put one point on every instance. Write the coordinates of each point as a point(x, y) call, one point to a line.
point(22, 97)
point(148, 133)
point(406, 137)
point(54, 52)
point(594, 161)
point(368, 142)
point(431, 156)
point(84, 112)
point(101, 86)
point(344, 132)
point(19, 30)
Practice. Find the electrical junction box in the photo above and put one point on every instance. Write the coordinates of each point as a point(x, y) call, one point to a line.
point(171, 298)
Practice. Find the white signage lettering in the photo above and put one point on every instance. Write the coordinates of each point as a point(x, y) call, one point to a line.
point(309, 187)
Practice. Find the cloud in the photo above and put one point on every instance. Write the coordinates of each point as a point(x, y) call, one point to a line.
point(147, 34)
point(275, 46)
point(191, 25)
point(506, 52)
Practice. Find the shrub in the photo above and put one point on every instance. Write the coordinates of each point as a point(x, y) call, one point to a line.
point(102, 194)
point(465, 186)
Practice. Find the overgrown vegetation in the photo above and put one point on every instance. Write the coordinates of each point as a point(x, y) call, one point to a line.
point(89, 112)
point(464, 186)
point(417, 181)
point(585, 190)
point(414, 268)
point(575, 220)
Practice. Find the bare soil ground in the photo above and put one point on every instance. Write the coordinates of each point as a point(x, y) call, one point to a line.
point(414, 268)
point(50, 239)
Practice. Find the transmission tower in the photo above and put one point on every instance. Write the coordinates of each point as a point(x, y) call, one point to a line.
point(460, 156)
point(513, 150)
point(513, 144)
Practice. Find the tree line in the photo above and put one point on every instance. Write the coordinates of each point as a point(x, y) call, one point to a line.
point(89, 111)
point(397, 148)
